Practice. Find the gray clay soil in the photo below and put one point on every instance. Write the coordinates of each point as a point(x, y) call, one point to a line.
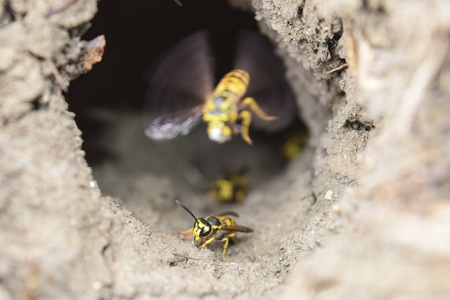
point(363, 213)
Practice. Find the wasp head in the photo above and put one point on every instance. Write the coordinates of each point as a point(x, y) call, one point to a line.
point(219, 132)
point(202, 229)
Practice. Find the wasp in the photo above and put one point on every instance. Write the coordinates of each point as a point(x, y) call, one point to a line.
point(221, 111)
point(180, 94)
point(294, 146)
point(213, 228)
point(232, 187)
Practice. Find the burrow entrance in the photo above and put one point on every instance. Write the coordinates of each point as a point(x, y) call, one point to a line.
point(146, 177)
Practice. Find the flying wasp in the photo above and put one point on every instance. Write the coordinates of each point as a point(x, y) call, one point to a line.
point(180, 94)
point(213, 228)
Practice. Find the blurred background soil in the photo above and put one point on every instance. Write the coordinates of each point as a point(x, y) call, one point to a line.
point(87, 201)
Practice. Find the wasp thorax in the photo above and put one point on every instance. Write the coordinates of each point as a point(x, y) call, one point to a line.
point(218, 101)
point(213, 221)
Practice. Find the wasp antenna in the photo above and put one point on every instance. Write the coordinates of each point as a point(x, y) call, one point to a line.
point(185, 208)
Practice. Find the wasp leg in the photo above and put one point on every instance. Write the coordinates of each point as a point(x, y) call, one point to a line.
point(206, 243)
point(246, 117)
point(236, 128)
point(224, 248)
point(186, 233)
point(226, 240)
point(233, 116)
point(251, 103)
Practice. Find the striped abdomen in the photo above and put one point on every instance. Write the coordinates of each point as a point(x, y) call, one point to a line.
point(233, 85)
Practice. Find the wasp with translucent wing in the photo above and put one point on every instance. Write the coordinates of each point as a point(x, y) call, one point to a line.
point(213, 228)
point(180, 94)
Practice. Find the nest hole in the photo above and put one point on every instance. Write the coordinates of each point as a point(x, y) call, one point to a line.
point(145, 176)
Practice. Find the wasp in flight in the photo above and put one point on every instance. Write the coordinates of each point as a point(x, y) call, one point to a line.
point(221, 111)
point(180, 94)
point(213, 228)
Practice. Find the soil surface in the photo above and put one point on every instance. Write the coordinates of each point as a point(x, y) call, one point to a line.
point(362, 213)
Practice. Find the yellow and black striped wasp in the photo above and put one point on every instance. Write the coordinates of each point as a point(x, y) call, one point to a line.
point(180, 93)
point(213, 228)
point(232, 187)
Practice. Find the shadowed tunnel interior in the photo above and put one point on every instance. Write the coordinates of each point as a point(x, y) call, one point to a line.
point(139, 35)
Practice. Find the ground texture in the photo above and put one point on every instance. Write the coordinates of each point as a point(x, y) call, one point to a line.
point(363, 213)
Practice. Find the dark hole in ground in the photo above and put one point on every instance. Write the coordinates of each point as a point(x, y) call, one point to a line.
point(108, 102)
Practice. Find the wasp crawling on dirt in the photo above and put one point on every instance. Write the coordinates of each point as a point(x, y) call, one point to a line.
point(180, 93)
point(213, 228)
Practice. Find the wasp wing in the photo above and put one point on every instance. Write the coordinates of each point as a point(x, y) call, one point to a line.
point(237, 228)
point(228, 213)
point(181, 79)
point(268, 86)
point(174, 124)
